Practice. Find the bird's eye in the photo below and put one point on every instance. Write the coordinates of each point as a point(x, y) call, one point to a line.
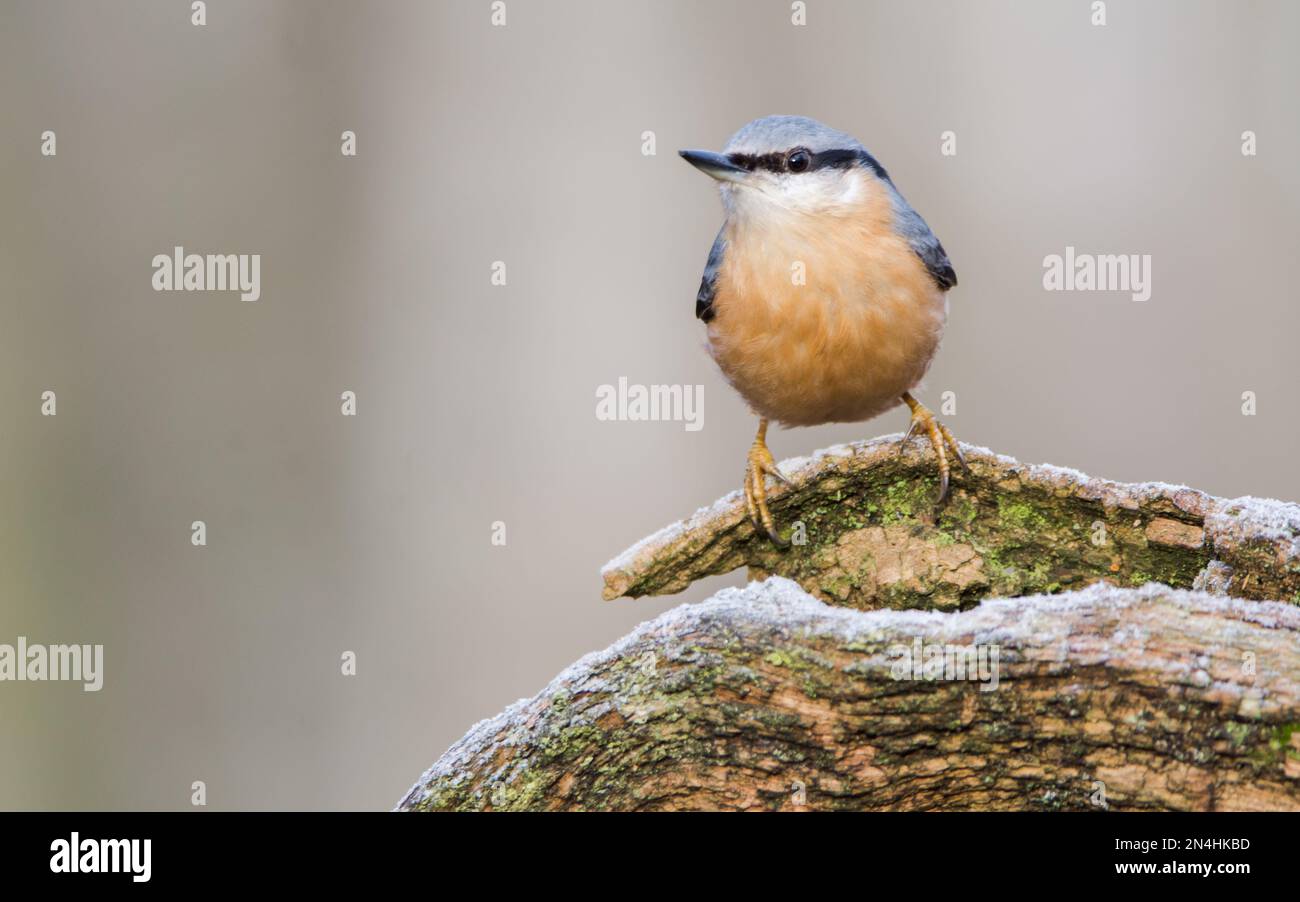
point(798, 160)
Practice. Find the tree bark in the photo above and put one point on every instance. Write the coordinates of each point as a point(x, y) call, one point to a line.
point(1095, 684)
point(765, 698)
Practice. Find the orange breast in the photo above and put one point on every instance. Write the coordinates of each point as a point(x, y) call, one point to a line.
point(845, 344)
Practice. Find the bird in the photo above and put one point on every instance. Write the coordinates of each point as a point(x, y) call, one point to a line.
point(824, 296)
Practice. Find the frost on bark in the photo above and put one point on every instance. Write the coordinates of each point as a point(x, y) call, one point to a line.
point(844, 679)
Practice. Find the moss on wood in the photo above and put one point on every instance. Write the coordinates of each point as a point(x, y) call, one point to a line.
point(867, 534)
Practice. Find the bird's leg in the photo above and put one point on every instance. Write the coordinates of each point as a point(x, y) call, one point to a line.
point(940, 439)
point(761, 465)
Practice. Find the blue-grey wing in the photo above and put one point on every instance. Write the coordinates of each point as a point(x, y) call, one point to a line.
point(912, 227)
point(709, 284)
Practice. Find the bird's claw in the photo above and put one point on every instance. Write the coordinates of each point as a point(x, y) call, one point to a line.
point(907, 436)
point(940, 439)
point(956, 448)
point(778, 476)
point(760, 466)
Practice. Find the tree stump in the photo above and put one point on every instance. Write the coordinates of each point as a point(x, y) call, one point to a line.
point(872, 666)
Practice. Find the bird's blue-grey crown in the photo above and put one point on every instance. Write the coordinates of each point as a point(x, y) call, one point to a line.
point(773, 133)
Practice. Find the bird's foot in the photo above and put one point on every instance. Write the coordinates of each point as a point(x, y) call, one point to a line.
point(940, 439)
point(760, 466)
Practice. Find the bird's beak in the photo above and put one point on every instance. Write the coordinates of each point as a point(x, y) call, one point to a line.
point(714, 165)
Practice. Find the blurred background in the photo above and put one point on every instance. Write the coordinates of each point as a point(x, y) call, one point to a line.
point(476, 403)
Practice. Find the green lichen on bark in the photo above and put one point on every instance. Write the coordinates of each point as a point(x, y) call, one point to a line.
point(866, 533)
point(882, 544)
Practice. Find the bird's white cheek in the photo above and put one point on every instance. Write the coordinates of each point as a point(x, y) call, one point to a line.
point(853, 190)
point(822, 192)
point(769, 201)
point(750, 204)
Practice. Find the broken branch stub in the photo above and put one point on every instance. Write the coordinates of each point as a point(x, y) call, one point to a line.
point(866, 534)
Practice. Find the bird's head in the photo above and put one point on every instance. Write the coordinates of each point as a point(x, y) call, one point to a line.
point(790, 163)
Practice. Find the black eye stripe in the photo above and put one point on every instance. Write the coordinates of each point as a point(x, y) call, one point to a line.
point(835, 159)
point(772, 162)
point(825, 159)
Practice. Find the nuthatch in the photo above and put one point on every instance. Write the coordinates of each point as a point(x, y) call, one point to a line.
point(825, 293)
